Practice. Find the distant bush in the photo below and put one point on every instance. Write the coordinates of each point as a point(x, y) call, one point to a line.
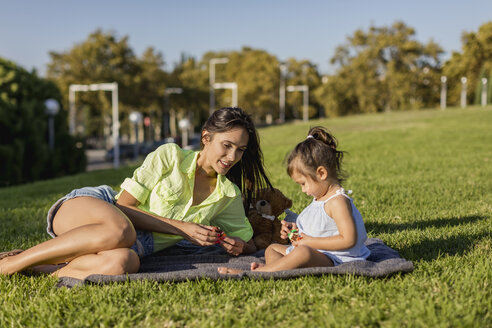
point(24, 151)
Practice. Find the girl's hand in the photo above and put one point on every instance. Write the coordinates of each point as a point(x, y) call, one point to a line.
point(302, 240)
point(199, 234)
point(286, 228)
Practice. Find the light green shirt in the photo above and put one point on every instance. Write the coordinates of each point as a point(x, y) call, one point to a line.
point(163, 185)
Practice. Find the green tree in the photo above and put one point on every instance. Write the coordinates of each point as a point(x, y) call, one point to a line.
point(473, 62)
point(382, 69)
point(24, 152)
point(103, 58)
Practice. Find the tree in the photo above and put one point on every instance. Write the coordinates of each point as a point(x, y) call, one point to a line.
point(474, 63)
point(383, 69)
point(103, 58)
point(24, 152)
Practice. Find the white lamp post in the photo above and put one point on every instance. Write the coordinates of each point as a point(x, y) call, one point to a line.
point(169, 115)
point(51, 109)
point(305, 90)
point(211, 78)
point(283, 70)
point(184, 125)
point(113, 87)
point(444, 89)
point(135, 118)
point(484, 91)
point(463, 92)
point(229, 85)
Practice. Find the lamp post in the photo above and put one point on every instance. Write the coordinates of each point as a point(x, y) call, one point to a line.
point(463, 92)
point(168, 115)
point(281, 101)
point(229, 85)
point(484, 92)
point(184, 125)
point(51, 109)
point(113, 87)
point(444, 89)
point(135, 118)
point(305, 89)
point(211, 78)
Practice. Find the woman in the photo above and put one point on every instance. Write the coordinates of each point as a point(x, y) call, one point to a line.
point(175, 194)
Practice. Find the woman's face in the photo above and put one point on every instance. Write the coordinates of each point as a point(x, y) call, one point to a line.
point(223, 150)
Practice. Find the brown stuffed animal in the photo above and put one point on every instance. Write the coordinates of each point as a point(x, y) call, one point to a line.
point(263, 217)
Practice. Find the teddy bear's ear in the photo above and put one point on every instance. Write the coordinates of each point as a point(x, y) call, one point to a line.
point(288, 203)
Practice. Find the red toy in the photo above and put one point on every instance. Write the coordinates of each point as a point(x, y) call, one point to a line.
point(220, 234)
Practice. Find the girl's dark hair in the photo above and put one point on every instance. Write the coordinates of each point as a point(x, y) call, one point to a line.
point(248, 174)
point(318, 149)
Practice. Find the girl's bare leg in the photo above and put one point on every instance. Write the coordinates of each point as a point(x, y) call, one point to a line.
point(83, 225)
point(272, 254)
point(299, 257)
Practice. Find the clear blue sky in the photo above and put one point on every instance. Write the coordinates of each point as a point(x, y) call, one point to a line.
point(308, 29)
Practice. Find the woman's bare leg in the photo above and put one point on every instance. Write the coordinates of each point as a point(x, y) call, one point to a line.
point(112, 262)
point(84, 225)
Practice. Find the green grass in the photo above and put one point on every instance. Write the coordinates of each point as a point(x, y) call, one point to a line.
point(423, 182)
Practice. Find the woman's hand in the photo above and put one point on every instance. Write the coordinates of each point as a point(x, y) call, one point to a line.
point(236, 246)
point(286, 228)
point(199, 234)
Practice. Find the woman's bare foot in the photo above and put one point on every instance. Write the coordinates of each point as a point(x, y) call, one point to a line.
point(256, 265)
point(225, 270)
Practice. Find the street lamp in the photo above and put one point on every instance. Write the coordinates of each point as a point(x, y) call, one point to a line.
point(283, 70)
point(484, 91)
point(229, 85)
point(305, 89)
point(463, 92)
point(113, 87)
point(168, 115)
point(443, 92)
point(211, 78)
point(184, 125)
point(51, 109)
point(135, 118)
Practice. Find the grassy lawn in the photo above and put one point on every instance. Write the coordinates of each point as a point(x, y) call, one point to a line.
point(423, 183)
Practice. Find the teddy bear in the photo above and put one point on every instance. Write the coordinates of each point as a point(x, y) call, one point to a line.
point(263, 216)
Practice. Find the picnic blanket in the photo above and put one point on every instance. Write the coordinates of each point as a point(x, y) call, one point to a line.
point(188, 262)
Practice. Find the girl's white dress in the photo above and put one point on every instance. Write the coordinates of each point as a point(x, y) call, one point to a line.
point(313, 221)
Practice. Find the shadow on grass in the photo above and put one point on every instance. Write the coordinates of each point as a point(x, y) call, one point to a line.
point(379, 227)
point(429, 250)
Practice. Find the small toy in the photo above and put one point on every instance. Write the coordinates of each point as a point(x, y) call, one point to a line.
point(294, 235)
point(220, 235)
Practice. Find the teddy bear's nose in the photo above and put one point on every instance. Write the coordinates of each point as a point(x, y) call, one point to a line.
point(262, 203)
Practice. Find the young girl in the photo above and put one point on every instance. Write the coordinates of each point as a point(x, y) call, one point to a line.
point(331, 230)
point(175, 194)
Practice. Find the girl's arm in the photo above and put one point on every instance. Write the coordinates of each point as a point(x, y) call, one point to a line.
point(340, 210)
point(196, 233)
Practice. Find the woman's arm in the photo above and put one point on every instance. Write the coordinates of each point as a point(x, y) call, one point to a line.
point(198, 234)
point(340, 210)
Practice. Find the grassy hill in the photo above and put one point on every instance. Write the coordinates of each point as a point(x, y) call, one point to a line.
point(423, 183)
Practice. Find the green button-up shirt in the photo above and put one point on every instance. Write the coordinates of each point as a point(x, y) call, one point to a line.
point(163, 185)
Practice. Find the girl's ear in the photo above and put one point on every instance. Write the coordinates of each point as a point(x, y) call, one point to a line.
point(321, 173)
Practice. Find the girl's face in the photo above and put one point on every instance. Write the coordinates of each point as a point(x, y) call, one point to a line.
point(223, 150)
point(316, 188)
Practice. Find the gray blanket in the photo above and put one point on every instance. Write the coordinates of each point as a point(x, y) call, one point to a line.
point(188, 262)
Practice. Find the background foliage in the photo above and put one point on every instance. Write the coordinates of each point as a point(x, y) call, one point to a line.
point(24, 151)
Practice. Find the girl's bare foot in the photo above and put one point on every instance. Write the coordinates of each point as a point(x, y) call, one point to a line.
point(225, 270)
point(256, 265)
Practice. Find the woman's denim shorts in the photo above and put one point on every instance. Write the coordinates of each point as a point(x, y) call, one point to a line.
point(144, 244)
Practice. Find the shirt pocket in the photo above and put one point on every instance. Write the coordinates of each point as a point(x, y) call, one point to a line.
point(170, 190)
